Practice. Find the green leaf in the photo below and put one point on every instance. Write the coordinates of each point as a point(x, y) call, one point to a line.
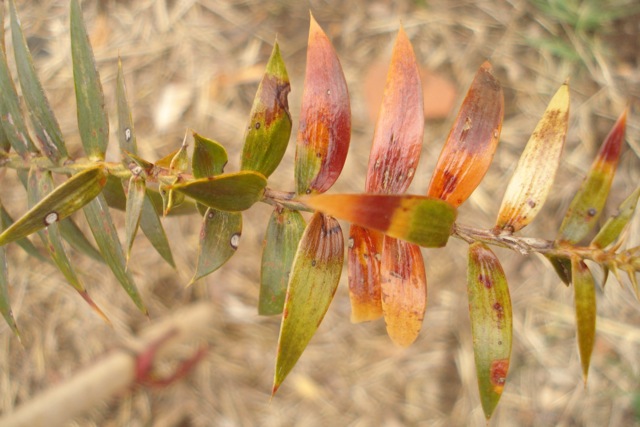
point(219, 239)
point(422, 220)
point(562, 266)
point(24, 243)
point(126, 133)
point(69, 197)
point(44, 122)
point(491, 323)
point(5, 144)
point(135, 199)
point(533, 178)
point(587, 205)
point(152, 228)
point(269, 126)
point(76, 238)
point(104, 231)
point(209, 157)
point(614, 226)
point(324, 130)
point(585, 300)
point(403, 283)
point(279, 248)
point(5, 306)
point(40, 184)
point(231, 192)
point(10, 114)
point(314, 278)
point(93, 121)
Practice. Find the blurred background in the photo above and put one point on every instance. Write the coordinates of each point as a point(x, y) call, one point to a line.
point(196, 64)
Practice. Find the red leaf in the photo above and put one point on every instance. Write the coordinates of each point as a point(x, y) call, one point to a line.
point(472, 141)
point(325, 119)
point(400, 127)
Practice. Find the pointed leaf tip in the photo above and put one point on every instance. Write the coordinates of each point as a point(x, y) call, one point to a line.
point(587, 205)
point(269, 127)
point(315, 275)
point(399, 131)
point(324, 129)
point(472, 140)
point(536, 170)
point(93, 121)
point(585, 303)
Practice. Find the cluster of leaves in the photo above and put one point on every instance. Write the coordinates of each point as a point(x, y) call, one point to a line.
point(302, 262)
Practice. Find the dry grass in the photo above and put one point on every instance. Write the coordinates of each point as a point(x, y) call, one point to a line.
point(196, 64)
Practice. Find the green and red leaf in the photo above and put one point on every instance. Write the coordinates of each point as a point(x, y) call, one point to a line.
point(422, 220)
point(40, 184)
point(325, 119)
point(472, 141)
point(533, 178)
point(404, 290)
point(364, 255)
point(93, 121)
point(585, 300)
point(219, 239)
point(491, 323)
point(231, 192)
point(281, 240)
point(587, 205)
point(315, 275)
point(269, 128)
point(66, 199)
point(397, 140)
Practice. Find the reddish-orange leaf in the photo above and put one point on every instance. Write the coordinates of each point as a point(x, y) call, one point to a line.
point(365, 247)
point(398, 136)
point(404, 290)
point(472, 141)
point(422, 220)
point(325, 119)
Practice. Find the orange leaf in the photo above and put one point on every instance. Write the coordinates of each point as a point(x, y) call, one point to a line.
point(400, 127)
point(472, 141)
point(365, 247)
point(325, 119)
point(404, 290)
